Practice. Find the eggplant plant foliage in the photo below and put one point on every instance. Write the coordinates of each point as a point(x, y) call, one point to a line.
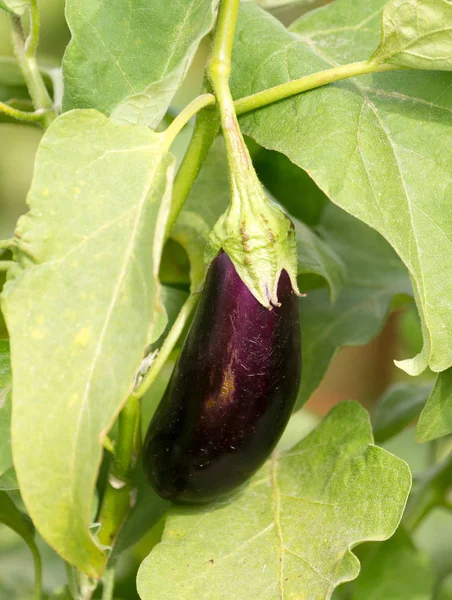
point(154, 317)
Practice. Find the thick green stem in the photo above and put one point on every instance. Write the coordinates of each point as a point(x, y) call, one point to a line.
point(22, 115)
point(309, 82)
point(431, 492)
point(168, 345)
point(6, 244)
point(72, 582)
point(38, 570)
point(31, 44)
point(207, 122)
point(119, 493)
point(186, 114)
point(25, 55)
point(205, 130)
point(6, 264)
point(108, 581)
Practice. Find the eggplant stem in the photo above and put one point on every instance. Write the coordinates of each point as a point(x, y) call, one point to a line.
point(168, 345)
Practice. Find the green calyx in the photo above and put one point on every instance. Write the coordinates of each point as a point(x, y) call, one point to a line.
point(257, 235)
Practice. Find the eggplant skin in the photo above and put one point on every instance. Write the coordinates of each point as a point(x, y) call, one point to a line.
point(231, 393)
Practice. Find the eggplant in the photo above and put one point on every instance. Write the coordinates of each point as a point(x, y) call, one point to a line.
point(231, 393)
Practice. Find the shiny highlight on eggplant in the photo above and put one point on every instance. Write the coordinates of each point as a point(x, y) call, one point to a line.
point(231, 394)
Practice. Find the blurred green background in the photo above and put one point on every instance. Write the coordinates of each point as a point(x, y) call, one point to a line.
point(360, 373)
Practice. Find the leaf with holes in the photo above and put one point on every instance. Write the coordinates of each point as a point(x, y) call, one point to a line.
point(290, 532)
point(81, 307)
point(384, 152)
point(127, 59)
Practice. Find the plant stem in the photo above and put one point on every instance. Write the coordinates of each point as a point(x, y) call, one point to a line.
point(430, 493)
point(6, 244)
point(22, 115)
point(31, 44)
point(6, 264)
point(119, 493)
point(25, 55)
point(38, 570)
point(186, 114)
point(168, 345)
point(309, 82)
point(72, 582)
point(206, 126)
point(205, 130)
point(108, 581)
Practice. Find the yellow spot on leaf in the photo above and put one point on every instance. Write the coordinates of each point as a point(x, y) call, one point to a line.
point(83, 337)
point(73, 400)
point(38, 334)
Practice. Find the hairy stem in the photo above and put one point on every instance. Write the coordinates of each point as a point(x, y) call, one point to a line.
point(186, 114)
point(168, 345)
point(25, 53)
point(6, 264)
point(6, 244)
point(309, 82)
point(108, 581)
point(119, 493)
point(38, 570)
point(21, 115)
point(205, 130)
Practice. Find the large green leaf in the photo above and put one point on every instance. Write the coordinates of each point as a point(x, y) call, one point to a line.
point(81, 306)
point(374, 276)
point(417, 34)
point(8, 481)
point(5, 408)
point(14, 519)
point(378, 146)
point(436, 418)
point(290, 532)
point(401, 404)
point(396, 570)
point(128, 58)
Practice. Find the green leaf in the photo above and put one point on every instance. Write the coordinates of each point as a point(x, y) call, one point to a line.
point(127, 59)
point(6, 460)
point(416, 34)
point(317, 257)
point(81, 307)
point(401, 404)
point(377, 145)
point(374, 276)
point(289, 534)
point(436, 418)
point(396, 570)
point(8, 481)
point(14, 519)
point(16, 7)
point(291, 186)
point(197, 218)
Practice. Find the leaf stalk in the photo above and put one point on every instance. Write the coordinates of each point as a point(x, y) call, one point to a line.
point(25, 53)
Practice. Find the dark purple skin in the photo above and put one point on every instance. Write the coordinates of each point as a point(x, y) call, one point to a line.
point(231, 394)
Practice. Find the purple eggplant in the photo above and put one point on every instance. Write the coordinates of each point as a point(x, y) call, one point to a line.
point(231, 394)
